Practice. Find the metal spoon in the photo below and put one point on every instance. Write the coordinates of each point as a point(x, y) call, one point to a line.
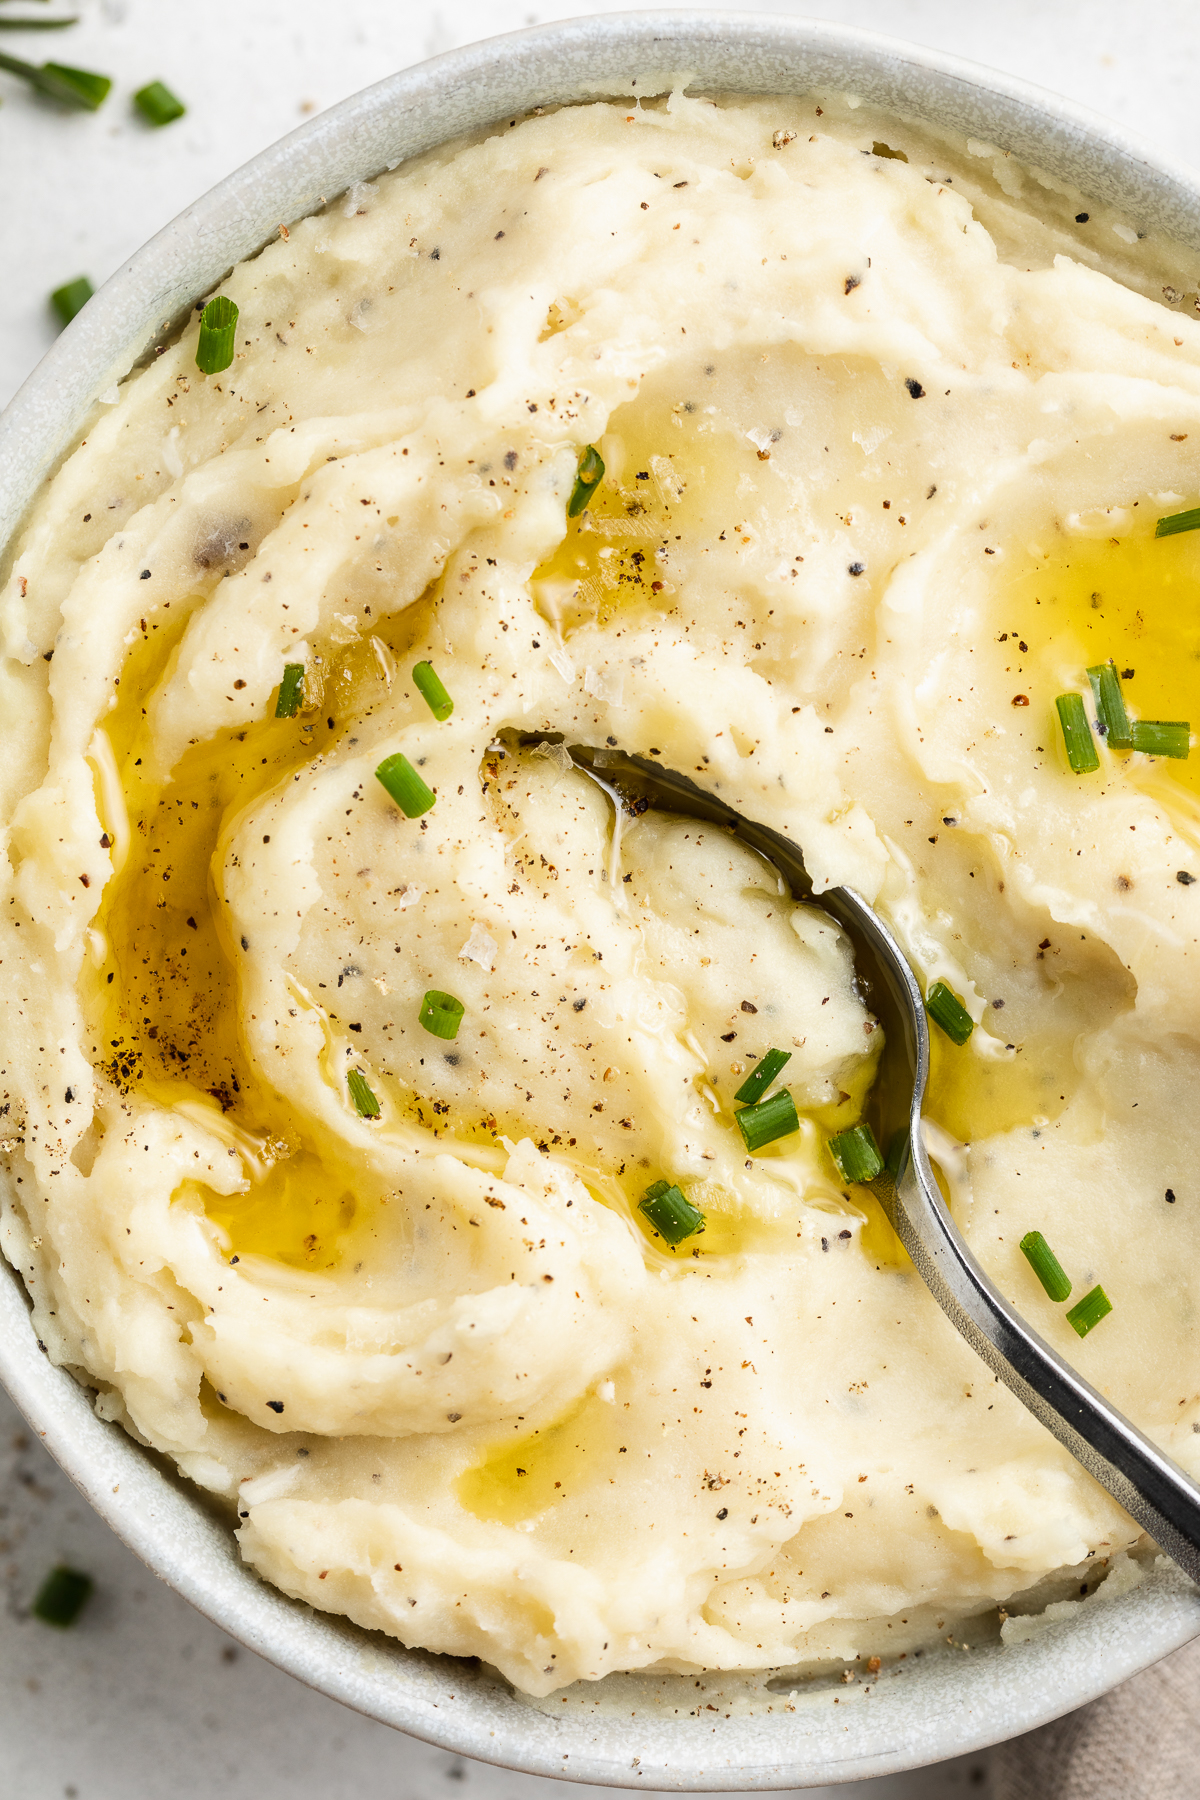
point(1151, 1487)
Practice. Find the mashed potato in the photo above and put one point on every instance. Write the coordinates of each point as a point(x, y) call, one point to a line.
point(884, 442)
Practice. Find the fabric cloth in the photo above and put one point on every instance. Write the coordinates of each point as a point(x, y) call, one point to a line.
point(1140, 1742)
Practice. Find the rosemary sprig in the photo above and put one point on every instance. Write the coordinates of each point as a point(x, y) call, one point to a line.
point(8, 24)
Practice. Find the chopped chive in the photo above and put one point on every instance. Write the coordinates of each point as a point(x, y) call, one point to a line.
point(897, 1153)
point(856, 1154)
point(9, 24)
point(759, 1080)
point(1161, 737)
point(218, 323)
point(360, 1092)
point(947, 1010)
point(291, 691)
point(397, 775)
point(1045, 1266)
point(441, 1014)
point(157, 104)
point(431, 691)
point(769, 1119)
point(62, 1597)
point(71, 298)
point(1089, 1311)
point(1184, 521)
point(670, 1212)
point(1110, 705)
point(74, 87)
point(590, 471)
point(1077, 734)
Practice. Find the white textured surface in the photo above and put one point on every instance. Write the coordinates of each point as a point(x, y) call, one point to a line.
point(142, 1698)
point(83, 191)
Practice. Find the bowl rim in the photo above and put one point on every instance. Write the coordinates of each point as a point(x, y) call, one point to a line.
point(948, 1705)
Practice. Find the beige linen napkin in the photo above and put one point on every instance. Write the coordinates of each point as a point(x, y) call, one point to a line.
point(1140, 1742)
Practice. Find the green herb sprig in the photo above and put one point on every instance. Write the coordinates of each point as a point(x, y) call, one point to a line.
point(291, 691)
point(10, 24)
point(73, 87)
point(759, 1080)
point(1088, 1313)
point(62, 1597)
point(1161, 737)
point(1046, 1266)
point(71, 298)
point(157, 104)
point(670, 1212)
point(855, 1153)
point(431, 689)
point(947, 1010)
point(441, 1014)
point(1110, 705)
point(587, 478)
point(1176, 522)
point(398, 777)
point(769, 1119)
point(1077, 734)
point(218, 328)
point(362, 1094)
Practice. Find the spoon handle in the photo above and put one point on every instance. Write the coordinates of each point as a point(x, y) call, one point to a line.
point(1143, 1479)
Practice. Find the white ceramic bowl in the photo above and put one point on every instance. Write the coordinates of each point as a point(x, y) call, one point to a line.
point(635, 1732)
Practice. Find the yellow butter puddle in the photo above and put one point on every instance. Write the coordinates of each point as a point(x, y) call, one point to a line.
point(521, 1479)
point(1124, 595)
point(164, 997)
point(1128, 596)
point(668, 476)
point(298, 1214)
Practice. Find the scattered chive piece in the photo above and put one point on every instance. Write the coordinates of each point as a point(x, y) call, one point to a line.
point(71, 298)
point(769, 1119)
point(1184, 521)
point(360, 1092)
point(856, 1154)
point(947, 1010)
point(157, 104)
point(75, 87)
point(432, 692)
point(670, 1212)
point(591, 469)
point(1077, 734)
point(402, 782)
point(291, 691)
point(897, 1153)
point(62, 1597)
point(759, 1080)
point(7, 24)
point(1161, 737)
point(1046, 1266)
point(1110, 705)
point(218, 323)
point(441, 1014)
point(1089, 1312)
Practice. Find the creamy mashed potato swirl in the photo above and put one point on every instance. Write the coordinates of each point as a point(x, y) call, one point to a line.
point(883, 453)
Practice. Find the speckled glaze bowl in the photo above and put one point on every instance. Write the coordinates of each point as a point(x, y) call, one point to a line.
point(627, 1731)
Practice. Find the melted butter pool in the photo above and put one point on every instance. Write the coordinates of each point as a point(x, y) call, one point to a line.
point(521, 1479)
point(1130, 597)
point(165, 998)
point(1120, 594)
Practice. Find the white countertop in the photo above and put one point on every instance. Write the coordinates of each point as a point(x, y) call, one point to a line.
point(144, 1698)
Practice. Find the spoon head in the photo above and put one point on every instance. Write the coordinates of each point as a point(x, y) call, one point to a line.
point(1155, 1490)
point(885, 981)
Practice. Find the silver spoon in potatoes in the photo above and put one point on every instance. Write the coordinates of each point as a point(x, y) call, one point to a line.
point(1151, 1487)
